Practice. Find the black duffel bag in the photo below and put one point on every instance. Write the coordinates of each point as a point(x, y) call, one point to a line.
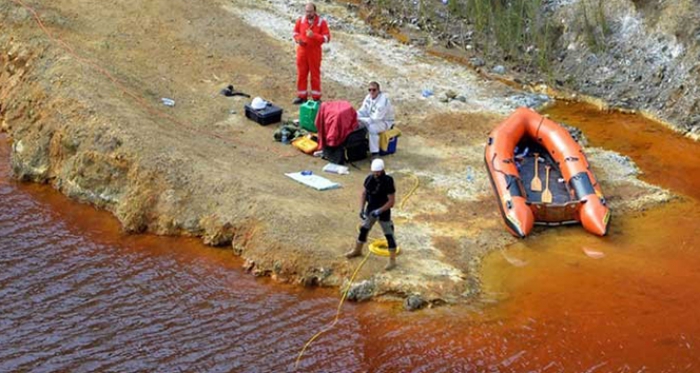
point(354, 148)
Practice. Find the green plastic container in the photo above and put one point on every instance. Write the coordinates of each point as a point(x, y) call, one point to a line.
point(307, 115)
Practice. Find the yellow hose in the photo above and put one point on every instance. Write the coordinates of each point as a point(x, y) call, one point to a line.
point(410, 193)
point(337, 314)
point(381, 247)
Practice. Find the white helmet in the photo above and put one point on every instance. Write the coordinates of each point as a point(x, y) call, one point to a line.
point(258, 103)
point(377, 165)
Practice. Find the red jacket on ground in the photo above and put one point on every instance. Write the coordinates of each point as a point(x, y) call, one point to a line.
point(335, 121)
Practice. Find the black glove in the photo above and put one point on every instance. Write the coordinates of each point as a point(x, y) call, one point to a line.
point(363, 215)
point(376, 213)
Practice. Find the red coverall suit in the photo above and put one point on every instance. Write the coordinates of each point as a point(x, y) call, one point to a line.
point(309, 54)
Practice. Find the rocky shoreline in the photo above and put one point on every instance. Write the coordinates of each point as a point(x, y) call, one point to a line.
point(645, 59)
point(88, 121)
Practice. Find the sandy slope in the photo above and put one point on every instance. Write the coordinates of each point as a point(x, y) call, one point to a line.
point(200, 168)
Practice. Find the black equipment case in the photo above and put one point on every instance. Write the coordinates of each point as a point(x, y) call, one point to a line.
point(354, 148)
point(268, 115)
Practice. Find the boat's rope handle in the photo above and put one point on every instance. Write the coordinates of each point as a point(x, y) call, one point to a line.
point(537, 133)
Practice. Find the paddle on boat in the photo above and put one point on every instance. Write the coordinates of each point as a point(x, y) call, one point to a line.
point(528, 151)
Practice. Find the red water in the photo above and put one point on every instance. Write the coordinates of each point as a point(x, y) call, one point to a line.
point(78, 295)
point(666, 157)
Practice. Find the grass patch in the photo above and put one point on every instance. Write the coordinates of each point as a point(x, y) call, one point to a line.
point(518, 31)
point(594, 27)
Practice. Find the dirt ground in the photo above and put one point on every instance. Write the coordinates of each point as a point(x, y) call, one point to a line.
point(81, 99)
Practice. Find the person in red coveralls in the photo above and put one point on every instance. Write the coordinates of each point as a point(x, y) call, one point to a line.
point(310, 32)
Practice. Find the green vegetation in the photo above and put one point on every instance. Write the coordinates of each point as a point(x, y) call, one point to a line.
point(520, 31)
point(517, 29)
point(595, 26)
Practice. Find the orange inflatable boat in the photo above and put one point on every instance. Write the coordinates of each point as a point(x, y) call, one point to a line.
point(541, 176)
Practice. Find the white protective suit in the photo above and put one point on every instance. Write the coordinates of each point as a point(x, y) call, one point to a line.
point(378, 116)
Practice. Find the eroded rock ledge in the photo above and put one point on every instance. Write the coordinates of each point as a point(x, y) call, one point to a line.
point(199, 170)
point(633, 55)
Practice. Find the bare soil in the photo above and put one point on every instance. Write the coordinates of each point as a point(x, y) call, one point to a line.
point(80, 99)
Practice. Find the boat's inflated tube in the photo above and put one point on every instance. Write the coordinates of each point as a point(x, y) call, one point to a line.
point(567, 153)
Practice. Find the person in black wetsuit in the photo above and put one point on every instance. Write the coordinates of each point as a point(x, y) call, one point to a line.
point(375, 205)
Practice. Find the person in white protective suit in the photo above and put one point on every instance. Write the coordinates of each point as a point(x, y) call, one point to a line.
point(376, 114)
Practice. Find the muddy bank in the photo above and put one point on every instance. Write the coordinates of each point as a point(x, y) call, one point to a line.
point(631, 55)
point(87, 119)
